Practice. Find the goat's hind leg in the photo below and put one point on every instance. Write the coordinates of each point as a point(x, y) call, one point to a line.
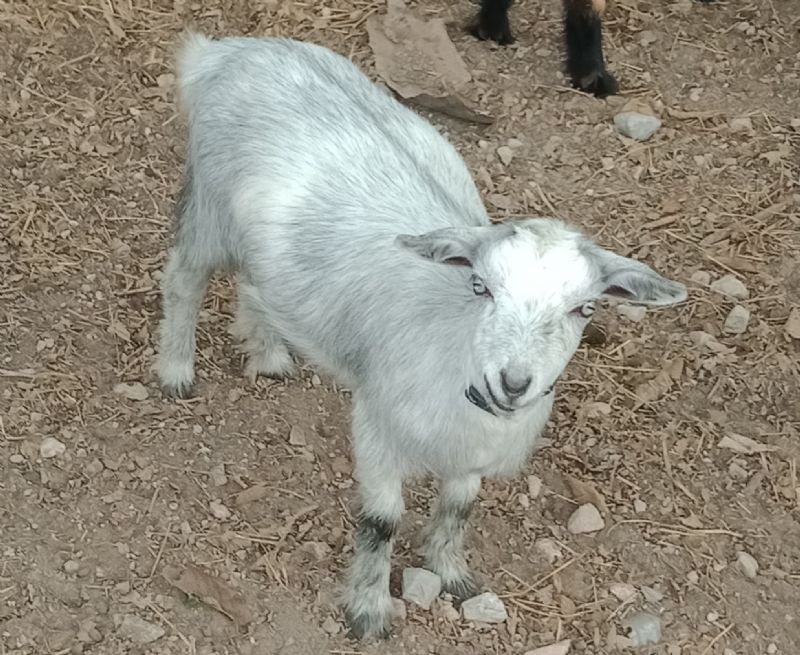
point(444, 540)
point(491, 23)
point(265, 350)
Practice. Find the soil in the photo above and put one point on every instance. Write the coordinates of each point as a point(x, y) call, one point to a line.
point(109, 494)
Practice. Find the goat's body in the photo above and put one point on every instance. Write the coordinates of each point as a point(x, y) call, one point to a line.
point(314, 186)
point(292, 222)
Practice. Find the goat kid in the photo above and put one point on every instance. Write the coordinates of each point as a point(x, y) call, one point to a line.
point(361, 243)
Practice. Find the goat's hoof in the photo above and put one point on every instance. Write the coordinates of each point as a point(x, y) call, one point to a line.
point(599, 83)
point(180, 390)
point(366, 625)
point(276, 364)
point(492, 28)
point(461, 589)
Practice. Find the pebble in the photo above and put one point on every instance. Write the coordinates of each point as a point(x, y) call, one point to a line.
point(133, 391)
point(558, 648)
point(297, 437)
point(730, 285)
point(737, 320)
point(51, 447)
point(218, 510)
point(71, 566)
point(622, 591)
point(703, 278)
point(792, 326)
point(534, 486)
point(505, 154)
point(644, 629)
point(747, 564)
point(639, 506)
point(331, 626)
point(217, 475)
point(741, 124)
point(585, 519)
point(772, 648)
point(421, 587)
point(652, 595)
point(633, 313)
point(549, 549)
point(635, 125)
point(16, 458)
point(138, 630)
point(484, 608)
point(399, 609)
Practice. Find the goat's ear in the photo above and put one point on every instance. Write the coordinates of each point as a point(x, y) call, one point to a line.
point(634, 281)
point(453, 245)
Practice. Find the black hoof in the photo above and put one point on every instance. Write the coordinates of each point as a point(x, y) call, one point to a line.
point(599, 83)
point(181, 391)
point(367, 626)
point(492, 28)
point(461, 590)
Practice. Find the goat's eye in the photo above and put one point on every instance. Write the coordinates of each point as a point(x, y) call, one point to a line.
point(479, 287)
point(585, 310)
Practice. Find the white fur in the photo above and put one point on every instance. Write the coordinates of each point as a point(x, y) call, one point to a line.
point(302, 176)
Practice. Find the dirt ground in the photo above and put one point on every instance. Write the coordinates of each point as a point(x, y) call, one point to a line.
point(109, 494)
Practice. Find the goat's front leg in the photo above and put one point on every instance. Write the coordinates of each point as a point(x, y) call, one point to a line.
point(367, 602)
point(444, 539)
point(491, 23)
point(583, 31)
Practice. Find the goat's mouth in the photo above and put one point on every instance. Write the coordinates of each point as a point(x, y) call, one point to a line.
point(480, 401)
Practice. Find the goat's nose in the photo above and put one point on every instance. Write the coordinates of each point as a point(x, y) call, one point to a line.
point(514, 385)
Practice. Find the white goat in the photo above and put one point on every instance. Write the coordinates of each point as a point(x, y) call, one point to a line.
point(307, 180)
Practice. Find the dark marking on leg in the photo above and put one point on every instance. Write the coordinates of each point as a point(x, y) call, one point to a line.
point(583, 33)
point(491, 23)
point(373, 532)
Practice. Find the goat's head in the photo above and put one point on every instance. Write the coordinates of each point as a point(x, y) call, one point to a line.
point(533, 284)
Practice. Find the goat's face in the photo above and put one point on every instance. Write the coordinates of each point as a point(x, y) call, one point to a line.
point(533, 285)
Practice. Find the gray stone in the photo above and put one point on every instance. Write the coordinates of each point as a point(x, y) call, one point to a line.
point(585, 519)
point(484, 608)
point(421, 587)
point(635, 125)
point(138, 630)
point(632, 313)
point(51, 447)
point(747, 564)
point(737, 320)
point(731, 286)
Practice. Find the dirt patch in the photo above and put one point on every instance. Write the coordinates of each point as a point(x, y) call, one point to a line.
point(91, 158)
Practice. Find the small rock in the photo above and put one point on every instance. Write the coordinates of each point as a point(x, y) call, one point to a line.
point(639, 506)
point(644, 629)
point(703, 278)
point(421, 587)
point(51, 447)
point(730, 285)
point(747, 564)
point(693, 577)
point(505, 154)
point(737, 472)
point(633, 313)
point(315, 380)
point(446, 610)
point(772, 648)
point(133, 391)
point(549, 549)
point(297, 437)
point(635, 125)
point(792, 326)
point(622, 591)
point(71, 566)
point(484, 608)
point(651, 595)
point(741, 124)
point(534, 486)
point(737, 320)
point(524, 501)
point(399, 609)
point(646, 37)
point(558, 648)
point(16, 458)
point(218, 510)
point(138, 630)
point(217, 475)
point(331, 626)
point(585, 519)
point(514, 143)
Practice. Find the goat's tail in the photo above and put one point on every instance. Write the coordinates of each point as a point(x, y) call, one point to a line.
point(192, 63)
